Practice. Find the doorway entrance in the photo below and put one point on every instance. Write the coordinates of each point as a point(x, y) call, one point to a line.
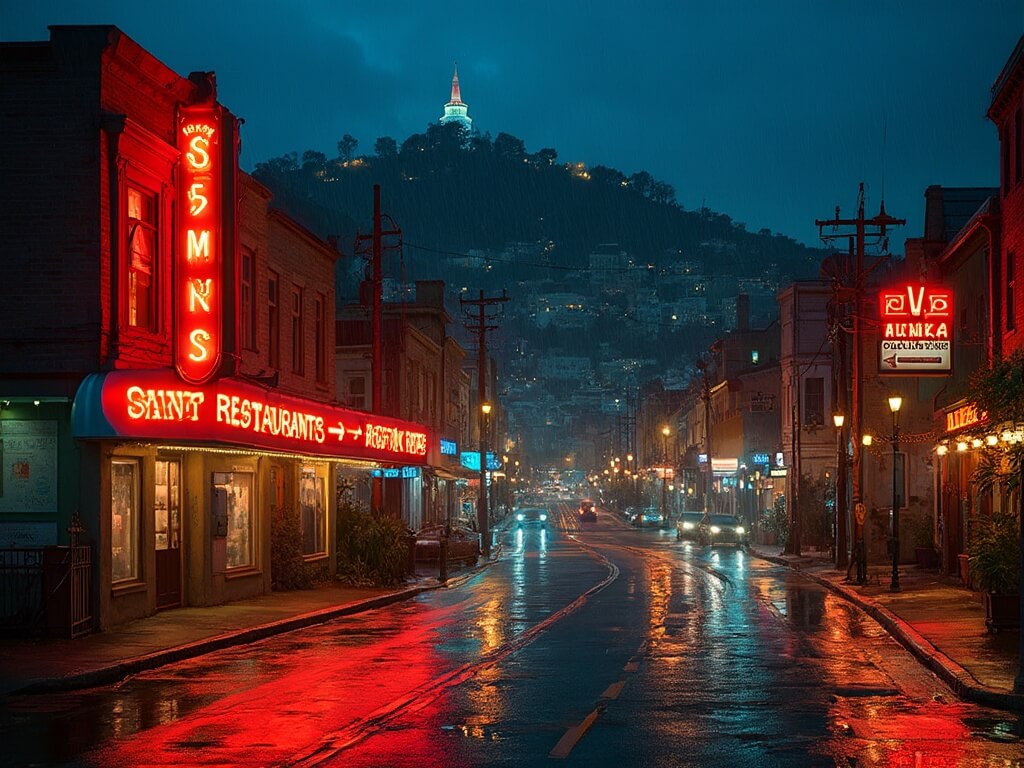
point(167, 532)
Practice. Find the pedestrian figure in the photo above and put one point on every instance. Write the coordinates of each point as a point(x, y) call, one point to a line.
point(860, 555)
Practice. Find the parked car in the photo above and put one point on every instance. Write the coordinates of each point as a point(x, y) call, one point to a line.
point(688, 525)
point(722, 529)
point(588, 512)
point(649, 517)
point(463, 544)
point(531, 516)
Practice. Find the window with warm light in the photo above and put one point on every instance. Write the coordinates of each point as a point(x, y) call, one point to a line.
point(142, 258)
point(233, 490)
point(125, 476)
point(312, 512)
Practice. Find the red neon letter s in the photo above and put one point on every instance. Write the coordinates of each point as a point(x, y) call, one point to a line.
point(198, 157)
point(200, 339)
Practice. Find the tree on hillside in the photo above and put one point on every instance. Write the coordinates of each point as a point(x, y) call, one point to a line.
point(385, 148)
point(545, 157)
point(347, 148)
point(278, 166)
point(508, 147)
point(313, 161)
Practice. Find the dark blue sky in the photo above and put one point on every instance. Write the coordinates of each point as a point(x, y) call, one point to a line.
point(770, 112)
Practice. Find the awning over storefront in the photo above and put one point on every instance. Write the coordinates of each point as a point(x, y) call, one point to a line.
point(158, 405)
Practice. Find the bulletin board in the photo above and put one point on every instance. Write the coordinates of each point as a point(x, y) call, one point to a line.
point(28, 466)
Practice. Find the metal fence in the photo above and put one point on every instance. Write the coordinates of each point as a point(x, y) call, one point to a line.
point(46, 589)
point(21, 590)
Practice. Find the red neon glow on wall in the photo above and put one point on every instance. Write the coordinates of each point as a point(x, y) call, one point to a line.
point(198, 285)
point(155, 405)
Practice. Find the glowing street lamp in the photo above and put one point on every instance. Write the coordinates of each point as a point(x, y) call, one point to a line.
point(894, 405)
point(839, 419)
point(665, 431)
point(481, 512)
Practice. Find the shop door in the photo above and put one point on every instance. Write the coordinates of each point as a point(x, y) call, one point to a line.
point(167, 530)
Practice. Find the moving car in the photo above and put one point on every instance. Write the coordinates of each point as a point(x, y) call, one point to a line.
point(588, 512)
point(688, 525)
point(722, 529)
point(531, 516)
point(463, 544)
point(648, 517)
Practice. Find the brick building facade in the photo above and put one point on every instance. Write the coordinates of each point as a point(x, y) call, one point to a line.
point(167, 353)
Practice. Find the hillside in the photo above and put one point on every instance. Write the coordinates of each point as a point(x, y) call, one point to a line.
point(451, 193)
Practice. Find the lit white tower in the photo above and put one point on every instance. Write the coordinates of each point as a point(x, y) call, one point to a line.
point(455, 110)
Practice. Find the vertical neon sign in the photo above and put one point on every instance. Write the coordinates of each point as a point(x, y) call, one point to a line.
point(198, 287)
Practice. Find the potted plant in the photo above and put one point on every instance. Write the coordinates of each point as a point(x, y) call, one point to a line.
point(994, 557)
point(922, 534)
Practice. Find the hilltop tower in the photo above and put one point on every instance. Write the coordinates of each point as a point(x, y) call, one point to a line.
point(455, 110)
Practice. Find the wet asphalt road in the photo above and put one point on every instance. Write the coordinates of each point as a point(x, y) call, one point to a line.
point(596, 646)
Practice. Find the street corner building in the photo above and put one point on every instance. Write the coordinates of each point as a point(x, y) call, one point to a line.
point(167, 373)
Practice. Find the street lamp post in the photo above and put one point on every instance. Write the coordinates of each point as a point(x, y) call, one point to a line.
point(483, 524)
point(894, 405)
point(664, 468)
point(839, 419)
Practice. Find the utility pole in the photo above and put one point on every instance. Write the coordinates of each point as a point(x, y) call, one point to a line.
point(480, 326)
point(862, 229)
point(377, 322)
point(705, 393)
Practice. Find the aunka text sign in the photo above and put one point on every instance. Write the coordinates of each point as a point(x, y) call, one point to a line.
point(198, 275)
point(156, 405)
point(916, 329)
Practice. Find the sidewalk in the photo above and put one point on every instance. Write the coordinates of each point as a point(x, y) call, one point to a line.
point(34, 665)
point(936, 619)
point(939, 621)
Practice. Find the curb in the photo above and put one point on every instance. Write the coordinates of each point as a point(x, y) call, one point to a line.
point(122, 669)
point(116, 672)
point(962, 682)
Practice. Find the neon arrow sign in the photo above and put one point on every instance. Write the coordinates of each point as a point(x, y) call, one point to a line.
point(156, 405)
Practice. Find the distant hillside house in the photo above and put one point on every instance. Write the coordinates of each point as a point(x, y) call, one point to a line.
point(607, 263)
point(564, 368)
point(455, 111)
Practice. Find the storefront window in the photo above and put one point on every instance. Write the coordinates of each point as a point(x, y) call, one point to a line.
point(124, 520)
point(241, 533)
point(167, 509)
point(312, 512)
point(142, 250)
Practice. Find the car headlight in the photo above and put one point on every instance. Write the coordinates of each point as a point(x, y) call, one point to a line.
point(543, 518)
point(519, 517)
point(687, 526)
point(715, 529)
point(740, 530)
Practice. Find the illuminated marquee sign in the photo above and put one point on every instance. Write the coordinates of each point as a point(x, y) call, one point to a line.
point(449, 447)
point(724, 466)
point(155, 405)
point(963, 417)
point(403, 473)
point(471, 460)
point(916, 327)
point(198, 288)
point(760, 458)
